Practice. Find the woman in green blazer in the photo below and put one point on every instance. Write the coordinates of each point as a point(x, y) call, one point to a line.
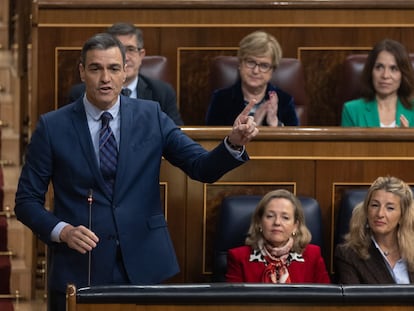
point(387, 87)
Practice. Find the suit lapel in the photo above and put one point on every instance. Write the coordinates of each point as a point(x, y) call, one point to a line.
point(126, 141)
point(371, 114)
point(377, 267)
point(80, 125)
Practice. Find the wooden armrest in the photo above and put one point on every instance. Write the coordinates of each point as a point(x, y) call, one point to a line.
point(7, 212)
point(6, 253)
point(16, 295)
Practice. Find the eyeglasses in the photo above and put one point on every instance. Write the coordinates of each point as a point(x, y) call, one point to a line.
point(132, 49)
point(263, 67)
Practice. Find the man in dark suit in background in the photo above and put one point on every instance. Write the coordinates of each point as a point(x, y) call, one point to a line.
point(99, 233)
point(139, 86)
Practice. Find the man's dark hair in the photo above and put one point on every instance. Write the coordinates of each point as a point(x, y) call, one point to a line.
point(122, 29)
point(102, 41)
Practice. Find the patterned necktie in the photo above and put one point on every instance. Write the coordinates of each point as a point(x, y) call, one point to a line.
point(126, 91)
point(108, 151)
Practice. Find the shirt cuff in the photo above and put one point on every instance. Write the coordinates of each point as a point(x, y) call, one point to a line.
point(234, 152)
point(55, 234)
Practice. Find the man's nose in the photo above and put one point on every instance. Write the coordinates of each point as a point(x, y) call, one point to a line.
point(105, 75)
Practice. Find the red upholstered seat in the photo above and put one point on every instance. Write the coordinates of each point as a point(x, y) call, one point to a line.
point(155, 67)
point(289, 77)
point(3, 233)
point(5, 271)
point(5, 264)
point(6, 305)
point(5, 267)
point(1, 189)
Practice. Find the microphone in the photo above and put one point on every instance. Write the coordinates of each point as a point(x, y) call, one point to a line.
point(90, 201)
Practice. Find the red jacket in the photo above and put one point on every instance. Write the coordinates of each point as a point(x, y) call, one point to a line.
point(312, 270)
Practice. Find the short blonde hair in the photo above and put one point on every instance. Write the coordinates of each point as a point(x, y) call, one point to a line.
point(260, 43)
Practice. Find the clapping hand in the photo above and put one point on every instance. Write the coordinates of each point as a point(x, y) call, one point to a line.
point(268, 110)
point(404, 122)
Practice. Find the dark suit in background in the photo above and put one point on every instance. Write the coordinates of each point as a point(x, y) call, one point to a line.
point(147, 88)
point(227, 103)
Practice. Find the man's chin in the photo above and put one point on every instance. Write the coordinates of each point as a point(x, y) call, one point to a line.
point(130, 76)
point(104, 101)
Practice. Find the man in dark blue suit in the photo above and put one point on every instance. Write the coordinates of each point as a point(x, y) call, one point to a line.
point(125, 240)
point(140, 86)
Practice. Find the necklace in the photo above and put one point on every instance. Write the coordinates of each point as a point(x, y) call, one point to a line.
point(387, 253)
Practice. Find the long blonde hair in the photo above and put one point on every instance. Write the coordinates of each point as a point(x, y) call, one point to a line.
point(359, 236)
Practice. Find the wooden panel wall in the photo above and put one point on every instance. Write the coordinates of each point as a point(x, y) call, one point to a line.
point(320, 161)
point(317, 162)
point(190, 33)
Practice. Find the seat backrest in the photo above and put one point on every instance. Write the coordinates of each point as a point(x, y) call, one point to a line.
point(348, 87)
point(5, 264)
point(155, 67)
point(350, 198)
point(349, 84)
point(289, 77)
point(234, 222)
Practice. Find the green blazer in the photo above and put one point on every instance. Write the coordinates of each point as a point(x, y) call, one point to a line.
point(362, 113)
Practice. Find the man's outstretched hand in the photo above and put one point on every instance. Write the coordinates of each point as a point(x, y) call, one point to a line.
point(244, 127)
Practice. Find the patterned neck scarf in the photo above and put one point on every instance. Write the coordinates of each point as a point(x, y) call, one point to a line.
point(277, 262)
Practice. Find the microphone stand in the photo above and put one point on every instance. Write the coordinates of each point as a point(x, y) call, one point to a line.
point(90, 200)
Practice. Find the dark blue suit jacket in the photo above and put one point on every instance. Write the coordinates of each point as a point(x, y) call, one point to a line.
point(147, 88)
point(61, 151)
point(226, 104)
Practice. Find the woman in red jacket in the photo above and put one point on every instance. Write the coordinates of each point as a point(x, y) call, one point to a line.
point(277, 248)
